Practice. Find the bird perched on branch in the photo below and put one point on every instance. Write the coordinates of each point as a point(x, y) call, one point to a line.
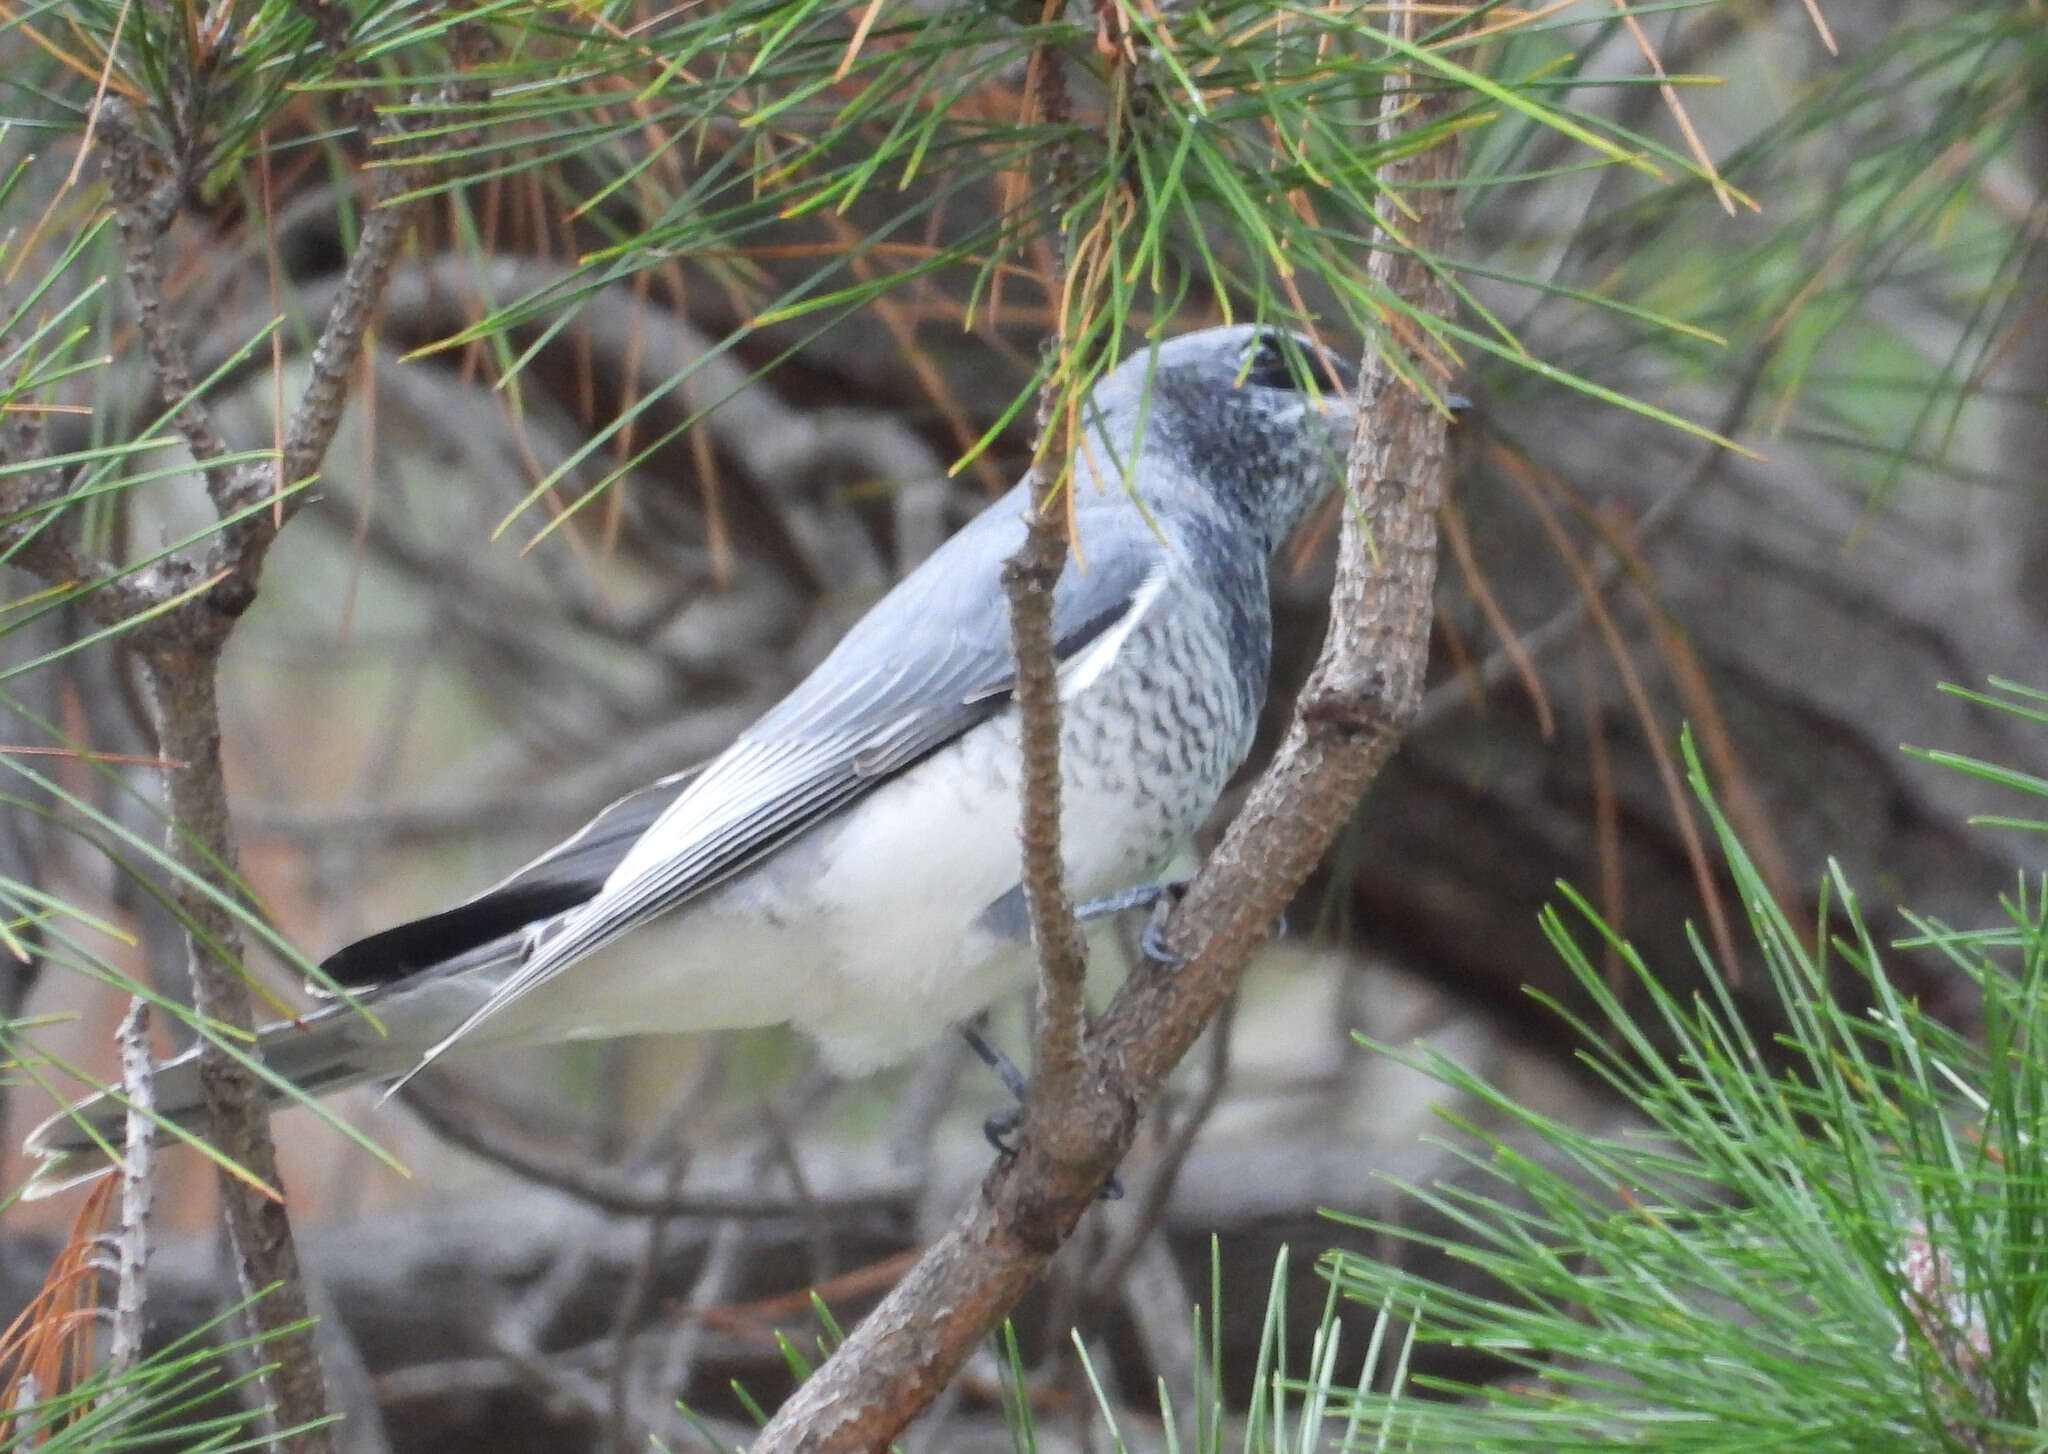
point(850, 865)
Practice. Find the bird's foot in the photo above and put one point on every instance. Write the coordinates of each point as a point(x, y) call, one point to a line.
point(1001, 1126)
point(1152, 938)
point(1152, 944)
point(1161, 897)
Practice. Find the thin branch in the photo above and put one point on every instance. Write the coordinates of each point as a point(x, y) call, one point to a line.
point(520, 1331)
point(145, 190)
point(340, 347)
point(1362, 697)
point(621, 1432)
point(183, 693)
point(138, 1190)
point(333, 368)
point(331, 23)
point(42, 544)
point(1029, 579)
point(683, 1350)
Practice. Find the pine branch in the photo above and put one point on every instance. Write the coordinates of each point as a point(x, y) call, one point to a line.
point(191, 605)
point(1366, 689)
point(145, 188)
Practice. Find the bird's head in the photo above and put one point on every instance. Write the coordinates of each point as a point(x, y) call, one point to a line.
point(1254, 419)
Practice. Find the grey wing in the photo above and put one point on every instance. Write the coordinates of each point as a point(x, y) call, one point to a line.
point(930, 661)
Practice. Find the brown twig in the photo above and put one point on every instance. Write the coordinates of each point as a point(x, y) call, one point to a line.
point(1361, 698)
point(246, 542)
point(1028, 581)
point(145, 188)
point(331, 23)
point(1029, 578)
point(336, 354)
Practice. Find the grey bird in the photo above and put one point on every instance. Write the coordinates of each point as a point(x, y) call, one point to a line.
point(850, 864)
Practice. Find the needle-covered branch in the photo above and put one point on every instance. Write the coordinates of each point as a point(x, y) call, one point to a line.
point(181, 613)
point(1365, 691)
point(180, 651)
point(145, 188)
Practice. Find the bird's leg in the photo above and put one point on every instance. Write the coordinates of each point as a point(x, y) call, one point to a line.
point(1140, 896)
point(1005, 1068)
point(1160, 896)
point(1010, 918)
point(1000, 1125)
point(1003, 1124)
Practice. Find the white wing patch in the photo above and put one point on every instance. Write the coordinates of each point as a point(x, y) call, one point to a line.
point(1079, 674)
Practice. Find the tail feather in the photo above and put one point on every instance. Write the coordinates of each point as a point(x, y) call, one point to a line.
point(324, 1052)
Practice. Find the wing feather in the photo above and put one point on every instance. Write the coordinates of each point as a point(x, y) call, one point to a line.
point(566, 875)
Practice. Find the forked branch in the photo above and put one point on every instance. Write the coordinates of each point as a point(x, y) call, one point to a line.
point(1363, 695)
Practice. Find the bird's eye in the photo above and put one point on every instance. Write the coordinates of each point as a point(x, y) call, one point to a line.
point(1276, 366)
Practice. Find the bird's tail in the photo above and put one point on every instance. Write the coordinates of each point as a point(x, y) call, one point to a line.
point(332, 1048)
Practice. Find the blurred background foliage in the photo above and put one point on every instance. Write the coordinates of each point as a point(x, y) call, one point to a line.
point(720, 316)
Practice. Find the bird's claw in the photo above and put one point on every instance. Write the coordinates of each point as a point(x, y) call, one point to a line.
point(1152, 938)
point(1000, 1127)
point(1152, 943)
